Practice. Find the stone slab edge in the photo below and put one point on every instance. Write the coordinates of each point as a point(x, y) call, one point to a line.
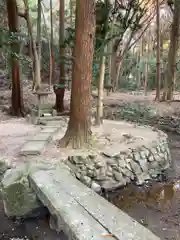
point(118, 223)
point(72, 218)
point(25, 151)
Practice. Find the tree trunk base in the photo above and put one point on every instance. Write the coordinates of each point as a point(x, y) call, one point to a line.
point(59, 105)
point(76, 138)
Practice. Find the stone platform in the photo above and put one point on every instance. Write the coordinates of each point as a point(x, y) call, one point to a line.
point(122, 152)
point(80, 212)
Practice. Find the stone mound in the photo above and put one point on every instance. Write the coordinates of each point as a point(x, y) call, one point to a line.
point(124, 152)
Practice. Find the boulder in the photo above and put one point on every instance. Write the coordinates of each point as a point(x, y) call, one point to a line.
point(18, 198)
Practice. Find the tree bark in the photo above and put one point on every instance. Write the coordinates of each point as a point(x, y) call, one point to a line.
point(36, 61)
point(158, 52)
point(51, 75)
point(60, 91)
point(99, 114)
point(16, 96)
point(173, 48)
point(79, 128)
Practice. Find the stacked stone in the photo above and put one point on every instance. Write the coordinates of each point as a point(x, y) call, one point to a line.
point(112, 170)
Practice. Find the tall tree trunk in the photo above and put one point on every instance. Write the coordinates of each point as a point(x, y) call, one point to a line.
point(61, 90)
point(99, 113)
point(109, 62)
point(146, 77)
point(173, 48)
point(37, 68)
point(16, 97)
point(158, 52)
point(39, 30)
point(79, 128)
point(51, 77)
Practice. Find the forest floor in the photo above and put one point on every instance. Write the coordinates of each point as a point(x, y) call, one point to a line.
point(163, 221)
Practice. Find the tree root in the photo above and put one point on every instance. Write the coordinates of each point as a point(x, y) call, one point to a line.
point(74, 139)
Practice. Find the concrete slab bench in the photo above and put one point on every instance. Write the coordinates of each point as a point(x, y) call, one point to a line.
point(84, 213)
point(70, 216)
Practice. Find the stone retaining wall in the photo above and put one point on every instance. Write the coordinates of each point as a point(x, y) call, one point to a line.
point(112, 170)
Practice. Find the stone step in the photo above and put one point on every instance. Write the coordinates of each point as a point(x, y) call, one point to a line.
point(42, 136)
point(50, 129)
point(58, 189)
point(69, 216)
point(55, 118)
point(33, 148)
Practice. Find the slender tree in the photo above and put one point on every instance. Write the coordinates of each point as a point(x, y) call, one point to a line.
point(158, 52)
point(173, 48)
point(39, 29)
point(16, 97)
point(51, 77)
point(99, 114)
point(79, 127)
point(60, 90)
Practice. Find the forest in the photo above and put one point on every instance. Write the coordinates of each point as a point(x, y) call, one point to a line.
point(124, 46)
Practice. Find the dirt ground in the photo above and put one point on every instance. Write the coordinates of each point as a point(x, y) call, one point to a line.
point(163, 220)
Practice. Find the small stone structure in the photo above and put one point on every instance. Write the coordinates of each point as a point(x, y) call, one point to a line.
point(142, 155)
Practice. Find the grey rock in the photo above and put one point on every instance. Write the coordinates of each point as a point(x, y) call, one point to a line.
point(128, 166)
point(116, 168)
point(151, 158)
point(101, 173)
point(112, 151)
point(128, 160)
point(141, 178)
point(154, 165)
point(118, 176)
point(101, 163)
point(109, 169)
point(91, 173)
point(128, 180)
point(110, 185)
point(143, 164)
point(153, 151)
point(82, 168)
point(78, 175)
point(135, 167)
point(96, 187)
point(83, 172)
point(122, 163)
point(87, 180)
point(91, 167)
point(19, 200)
point(76, 159)
point(137, 156)
point(109, 174)
point(112, 162)
point(143, 154)
point(127, 172)
point(154, 172)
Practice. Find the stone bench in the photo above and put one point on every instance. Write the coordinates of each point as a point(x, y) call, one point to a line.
point(80, 212)
point(69, 215)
